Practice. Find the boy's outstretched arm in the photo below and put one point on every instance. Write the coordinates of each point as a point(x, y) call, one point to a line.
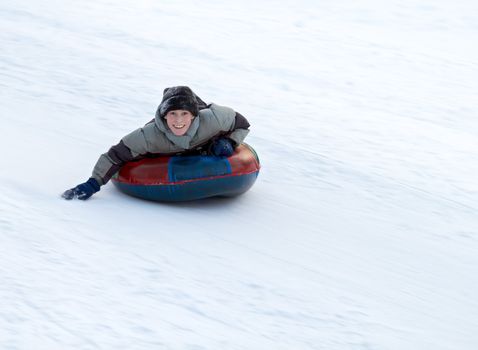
point(107, 165)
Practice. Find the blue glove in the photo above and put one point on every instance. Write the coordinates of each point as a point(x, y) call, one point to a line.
point(82, 191)
point(222, 147)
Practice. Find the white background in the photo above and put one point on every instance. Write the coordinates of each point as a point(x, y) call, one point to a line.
point(361, 231)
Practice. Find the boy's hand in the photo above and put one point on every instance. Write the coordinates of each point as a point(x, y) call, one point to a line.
point(82, 191)
point(222, 147)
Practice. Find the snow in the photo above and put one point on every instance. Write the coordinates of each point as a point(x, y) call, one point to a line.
point(361, 231)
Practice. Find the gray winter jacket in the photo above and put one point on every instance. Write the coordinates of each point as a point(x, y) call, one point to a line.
point(155, 139)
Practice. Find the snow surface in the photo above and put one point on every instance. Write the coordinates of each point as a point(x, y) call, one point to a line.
point(361, 231)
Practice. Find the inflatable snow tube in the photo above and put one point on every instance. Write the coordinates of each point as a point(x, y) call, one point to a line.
point(185, 178)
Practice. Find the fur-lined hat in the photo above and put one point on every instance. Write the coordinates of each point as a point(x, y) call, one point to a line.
point(178, 97)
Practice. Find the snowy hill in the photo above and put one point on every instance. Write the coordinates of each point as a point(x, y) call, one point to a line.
point(361, 231)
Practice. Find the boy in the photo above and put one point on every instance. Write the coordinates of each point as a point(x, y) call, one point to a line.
point(183, 124)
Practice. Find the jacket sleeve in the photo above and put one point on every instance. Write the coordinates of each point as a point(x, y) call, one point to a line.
point(131, 147)
point(239, 130)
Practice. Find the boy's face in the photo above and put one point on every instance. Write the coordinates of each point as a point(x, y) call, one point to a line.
point(179, 121)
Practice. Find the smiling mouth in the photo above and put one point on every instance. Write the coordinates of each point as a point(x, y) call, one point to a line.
point(179, 126)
